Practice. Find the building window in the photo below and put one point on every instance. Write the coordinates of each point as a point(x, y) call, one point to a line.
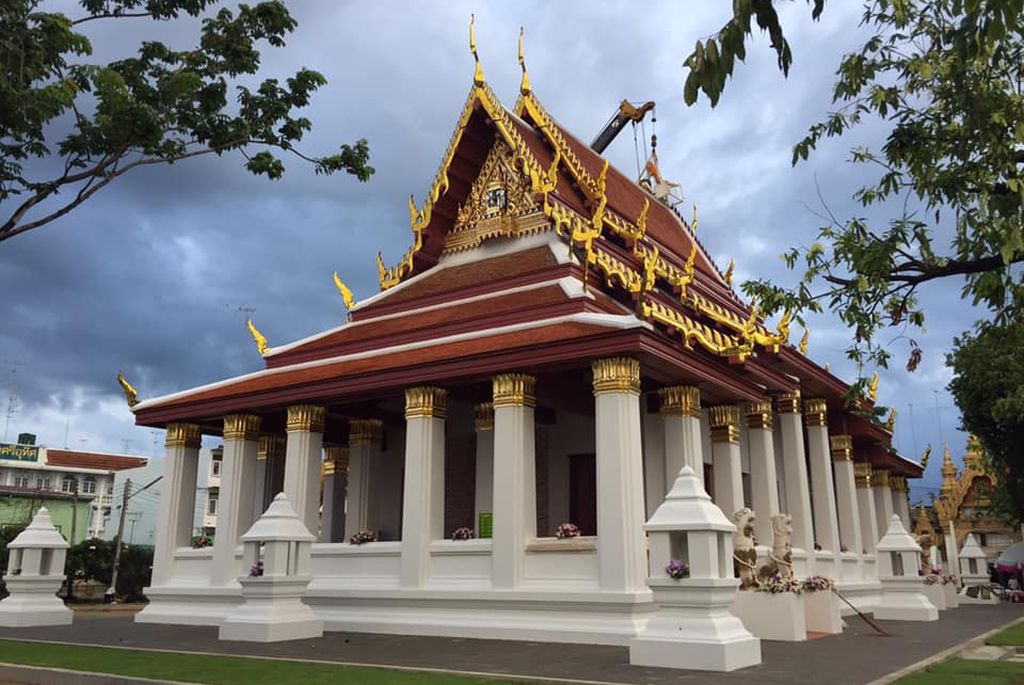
point(211, 508)
point(42, 483)
point(68, 484)
point(89, 487)
point(21, 482)
point(215, 467)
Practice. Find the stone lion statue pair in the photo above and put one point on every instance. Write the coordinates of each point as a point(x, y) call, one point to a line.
point(780, 558)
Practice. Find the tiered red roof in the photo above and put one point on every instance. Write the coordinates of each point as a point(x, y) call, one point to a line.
point(93, 460)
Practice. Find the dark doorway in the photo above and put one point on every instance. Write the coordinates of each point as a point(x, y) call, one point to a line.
point(583, 492)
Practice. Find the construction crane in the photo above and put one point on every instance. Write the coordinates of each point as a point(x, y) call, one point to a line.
point(625, 113)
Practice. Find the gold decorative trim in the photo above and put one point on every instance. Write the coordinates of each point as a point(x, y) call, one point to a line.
point(862, 474)
point(270, 447)
point(365, 431)
point(257, 337)
point(131, 395)
point(759, 415)
point(306, 418)
point(426, 402)
point(898, 483)
point(241, 427)
point(693, 331)
point(680, 400)
point(816, 412)
point(337, 457)
point(326, 468)
point(514, 390)
point(616, 374)
point(725, 423)
point(484, 417)
point(880, 478)
point(890, 421)
point(188, 435)
point(842, 447)
point(788, 403)
point(873, 388)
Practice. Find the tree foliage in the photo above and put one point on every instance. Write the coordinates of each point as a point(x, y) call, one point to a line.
point(988, 386)
point(946, 78)
point(68, 127)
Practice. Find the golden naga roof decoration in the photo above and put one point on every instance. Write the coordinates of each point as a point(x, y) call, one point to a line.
point(257, 337)
point(804, 340)
point(131, 395)
point(478, 73)
point(873, 388)
point(924, 457)
point(890, 421)
point(692, 331)
point(729, 271)
point(524, 83)
point(344, 291)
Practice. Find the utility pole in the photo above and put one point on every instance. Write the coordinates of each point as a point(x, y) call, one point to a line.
point(112, 590)
point(74, 525)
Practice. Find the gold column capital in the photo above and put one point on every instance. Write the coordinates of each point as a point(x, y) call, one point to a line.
point(337, 457)
point(680, 400)
point(365, 431)
point(188, 435)
point(270, 447)
point(306, 418)
point(426, 401)
point(842, 447)
point(759, 415)
point(898, 483)
point(788, 403)
point(880, 478)
point(241, 427)
point(862, 474)
point(616, 375)
point(484, 417)
point(725, 423)
point(514, 390)
point(816, 412)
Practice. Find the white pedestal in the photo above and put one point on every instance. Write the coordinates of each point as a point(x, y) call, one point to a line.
point(949, 589)
point(272, 611)
point(688, 632)
point(936, 595)
point(822, 612)
point(903, 599)
point(33, 602)
point(983, 595)
point(780, 616)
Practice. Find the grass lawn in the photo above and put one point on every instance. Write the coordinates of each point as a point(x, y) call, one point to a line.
point(968, 672)
point(216, 670)
point(1012, 636)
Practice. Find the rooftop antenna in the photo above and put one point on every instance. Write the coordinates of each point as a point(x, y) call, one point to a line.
point(938, 417)
point(12, 397)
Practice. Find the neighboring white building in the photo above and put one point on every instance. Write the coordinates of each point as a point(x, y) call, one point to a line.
point(213, 461)
point(28, 467)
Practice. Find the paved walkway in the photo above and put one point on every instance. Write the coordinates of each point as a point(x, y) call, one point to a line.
point(855, 657)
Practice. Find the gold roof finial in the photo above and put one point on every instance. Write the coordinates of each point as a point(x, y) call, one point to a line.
point(478, 75)
point(873, 388)
point(693, 223)
point(131, 395)
point(258, 338)
point(346, 293)
point(924, 457)
point(524, 84)
point(890, 421)
point(804, 340)
point(728, 272)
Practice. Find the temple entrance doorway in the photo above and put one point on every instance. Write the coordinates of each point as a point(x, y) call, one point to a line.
point(583, 492)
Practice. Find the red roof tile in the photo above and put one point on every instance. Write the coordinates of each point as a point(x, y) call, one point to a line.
point(92, 460)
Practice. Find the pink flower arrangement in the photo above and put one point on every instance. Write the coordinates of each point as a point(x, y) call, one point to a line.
point(932, 579)
point(256, 570)
point(463, 534)
point(777, 584)
point(818, 583)
point(363, 537)
point(948, 579)
point(677, 569)
point(843, 548)
point(567, 530)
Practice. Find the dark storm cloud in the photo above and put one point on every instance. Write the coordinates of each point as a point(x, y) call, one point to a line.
point(148, 277)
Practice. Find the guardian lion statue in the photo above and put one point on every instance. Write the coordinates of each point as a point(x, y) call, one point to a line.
point(744, 556)
point(780, 558)
point(924, 540)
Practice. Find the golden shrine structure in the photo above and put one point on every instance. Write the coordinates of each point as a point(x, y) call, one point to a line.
point(554, 347)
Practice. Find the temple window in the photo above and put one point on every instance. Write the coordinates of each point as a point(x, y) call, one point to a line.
point(496, 199)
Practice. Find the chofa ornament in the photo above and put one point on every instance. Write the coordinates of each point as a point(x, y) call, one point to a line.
point(780, 558)
point(744, 554)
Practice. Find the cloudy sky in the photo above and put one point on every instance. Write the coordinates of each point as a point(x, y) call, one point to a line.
point(153, 274)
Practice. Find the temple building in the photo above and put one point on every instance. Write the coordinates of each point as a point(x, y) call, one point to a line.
point(553, 348)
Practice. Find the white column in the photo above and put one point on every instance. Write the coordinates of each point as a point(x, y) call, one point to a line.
point(953, 552)
point(269, 464)
point(515, 477)
point(798, 494)
point(364, 442)
point(332, 517)
point(724, 420)
point(302, 462)
point(680, 411)
point(866, 507)
point(235, 507)
point(177, 498)
point(763, 482)
point(826, 519)
point(621, 544)
point(900, 502)
point(483, 496)
point(423, 493)
point(883, 499)
point(846, 493)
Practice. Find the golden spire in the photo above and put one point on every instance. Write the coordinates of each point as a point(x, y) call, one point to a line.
point(924, 457)
point(948, 471)
point(873, 388)
point(890, 421)
point(804, 340)
point(524, 84)
point(922, 519)
point(728, 272)
point(478, 75)
point(975, 453)
point(130, 394)
point(258, 338)
point(346, 294)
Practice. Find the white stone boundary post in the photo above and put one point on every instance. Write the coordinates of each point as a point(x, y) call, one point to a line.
point(423, 496)
point(177, 498)
point(302, 462)
point(621, 544)
point(724, 420)
point(237, 488)
point(764, 488)
point(680, 412)
point(483, 496)
point(798, 494)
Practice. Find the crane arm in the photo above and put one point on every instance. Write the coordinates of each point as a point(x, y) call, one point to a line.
point(624, 115)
